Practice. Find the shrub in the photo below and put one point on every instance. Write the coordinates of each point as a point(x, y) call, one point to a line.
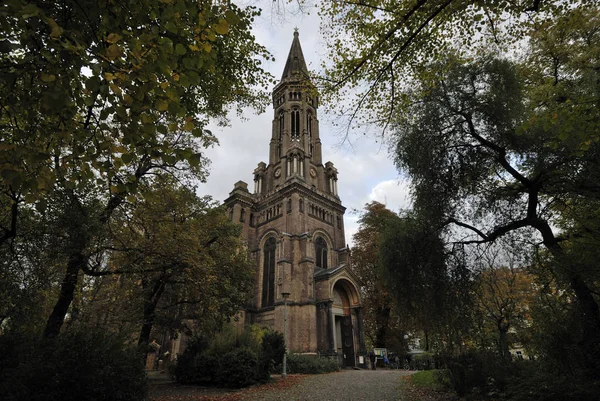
point(309, 364)
point(477, 371)
point(424, 361)
point(234, 358)
point(185, 371)
point(238, 368)
point(272, 350)
point(74, 366)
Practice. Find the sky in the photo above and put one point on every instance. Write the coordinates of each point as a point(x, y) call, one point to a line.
point(365, 170)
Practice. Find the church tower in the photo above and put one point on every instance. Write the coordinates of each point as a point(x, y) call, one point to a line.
point(293, 223)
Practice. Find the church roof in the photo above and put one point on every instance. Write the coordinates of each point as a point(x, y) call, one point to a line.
point(295, 63)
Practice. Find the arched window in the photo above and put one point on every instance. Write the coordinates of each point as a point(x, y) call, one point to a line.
point(321, 253)
point(295, 123)
point(268, 290)
point(309, 123)
point(243, 215)
point(301, 205)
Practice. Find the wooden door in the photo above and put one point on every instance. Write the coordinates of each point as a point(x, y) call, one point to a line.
point(347, 341)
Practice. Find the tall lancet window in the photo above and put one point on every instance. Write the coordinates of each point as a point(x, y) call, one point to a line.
point(295, 124)
point(268, 288)
point(321, 253)
point(281, 125)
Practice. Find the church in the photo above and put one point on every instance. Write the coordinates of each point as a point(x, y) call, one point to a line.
point(293, 224)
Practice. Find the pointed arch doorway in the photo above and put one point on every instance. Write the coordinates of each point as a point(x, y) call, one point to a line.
point(343, 327)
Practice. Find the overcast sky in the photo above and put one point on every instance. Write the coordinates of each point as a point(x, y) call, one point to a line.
point(366, 171)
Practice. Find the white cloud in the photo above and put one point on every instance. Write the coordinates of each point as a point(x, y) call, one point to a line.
point(395, 194)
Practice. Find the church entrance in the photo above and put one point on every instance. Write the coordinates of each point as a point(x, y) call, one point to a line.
point(344, 331)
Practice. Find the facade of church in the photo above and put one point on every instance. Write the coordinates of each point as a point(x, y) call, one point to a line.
point(293, 223)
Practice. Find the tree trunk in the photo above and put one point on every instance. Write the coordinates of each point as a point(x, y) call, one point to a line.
point(149, 308)
point(503, 341)
point(588, 311)
point(65, 297)
point(590, 315)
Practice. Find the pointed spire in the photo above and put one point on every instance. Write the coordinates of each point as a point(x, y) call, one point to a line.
point(295, 64)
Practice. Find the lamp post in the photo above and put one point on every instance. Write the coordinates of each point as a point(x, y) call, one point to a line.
point(285, 296)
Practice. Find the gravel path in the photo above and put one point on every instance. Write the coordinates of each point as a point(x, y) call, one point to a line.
point(347, 385)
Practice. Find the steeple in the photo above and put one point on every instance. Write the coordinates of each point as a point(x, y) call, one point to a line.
point(295, 146)
point(295, 66)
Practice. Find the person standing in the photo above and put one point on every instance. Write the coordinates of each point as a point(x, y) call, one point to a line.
point(373, 359)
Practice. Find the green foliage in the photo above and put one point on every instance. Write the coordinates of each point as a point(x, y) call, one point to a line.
point(482, 375)
point(239, 368)
point(310, 364)
point(377, 47)
point(188, 368)
point(380, 319)
point(530, 381)
point(185, 254)
point(273, 349)
point(76, 366)
point(424, 361)
point(431, 289)
point(233, 358)
point(105, 87)
point(478, 371)
point(484, 167)
point(97, 98)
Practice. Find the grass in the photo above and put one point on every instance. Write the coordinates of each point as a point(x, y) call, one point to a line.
point(428, 379)
point(426, 386)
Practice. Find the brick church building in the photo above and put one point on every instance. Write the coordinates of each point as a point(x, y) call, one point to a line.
point(293, 223)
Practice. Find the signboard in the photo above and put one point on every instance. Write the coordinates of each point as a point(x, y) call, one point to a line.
point(380, 352)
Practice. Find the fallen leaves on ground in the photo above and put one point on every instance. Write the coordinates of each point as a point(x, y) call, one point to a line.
point(190, 393)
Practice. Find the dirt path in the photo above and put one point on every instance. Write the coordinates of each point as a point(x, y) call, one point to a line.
point(347, 385)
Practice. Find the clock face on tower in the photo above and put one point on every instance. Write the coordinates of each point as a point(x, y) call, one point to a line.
point(313, 172)
point(277, 173)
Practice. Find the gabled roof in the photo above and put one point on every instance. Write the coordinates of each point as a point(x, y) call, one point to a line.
point(295, 65)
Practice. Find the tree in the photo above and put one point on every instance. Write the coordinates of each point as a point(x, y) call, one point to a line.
point(185, 256)
point(504, 295)
point(172, 257)
point(490, 151)
point(381, 322)
point(424, 281)
point(377, 47)
point(95, 97)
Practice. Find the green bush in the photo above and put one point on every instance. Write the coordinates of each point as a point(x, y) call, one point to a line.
point(424, 361)
point(234, 358)
point(532, 381)
point(477, 371)
point(309, 364)
point(239, 368)
point(185, 371)
point(74, 366)
point(272, 350)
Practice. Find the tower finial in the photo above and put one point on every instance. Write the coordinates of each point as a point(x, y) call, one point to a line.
point(296, 31)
